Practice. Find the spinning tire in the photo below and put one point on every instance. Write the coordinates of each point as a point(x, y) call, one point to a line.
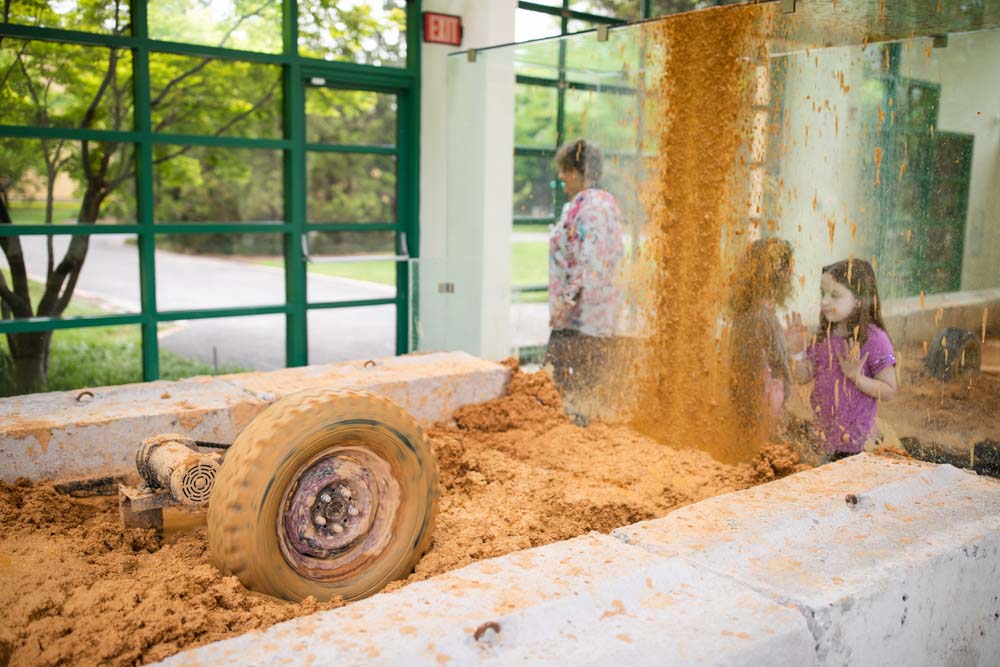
point(324, 493)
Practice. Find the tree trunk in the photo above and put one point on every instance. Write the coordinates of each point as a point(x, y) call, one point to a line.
point(30, 354)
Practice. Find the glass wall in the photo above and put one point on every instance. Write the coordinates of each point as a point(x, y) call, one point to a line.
point(737, 181)
point(174, 169)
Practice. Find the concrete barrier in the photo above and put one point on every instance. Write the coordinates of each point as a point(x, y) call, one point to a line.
point(81, 434)
point(868, 561)
point(916, 320)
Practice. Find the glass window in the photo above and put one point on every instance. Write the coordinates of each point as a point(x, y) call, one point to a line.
point(106, 283)
point(49, 84)
point(348, 187)
point(238, 270)
point(622, 9)
point(347, 334)
point(43, 181)
point(248, 25)
point(351, 265)
point(85, 357)
point(362, 31)
point(530, 25)
point(192, 95)
point(534, 187)
point(221, 345)
point(359, 117)
point(535, 121)
point(216, 184)
point(109, 16)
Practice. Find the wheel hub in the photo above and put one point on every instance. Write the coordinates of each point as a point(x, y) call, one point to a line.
point(342, 505)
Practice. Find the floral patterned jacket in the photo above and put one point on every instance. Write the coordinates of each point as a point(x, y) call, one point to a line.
point(585, 258)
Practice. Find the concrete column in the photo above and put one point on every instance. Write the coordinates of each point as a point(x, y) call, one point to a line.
point(467, 186)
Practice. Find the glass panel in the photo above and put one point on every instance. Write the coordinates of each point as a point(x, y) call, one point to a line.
point(109, 16)
point(340, 271)
point(534, 187)
point(77, 358)
point(372, 32)
point(351, 188)
point(42, 181)
point(351, 334)
point(238, 270)
point(107, 281)
point(885, 153)
point(191, 95)
point(611, 116)
point(49, 84)
point(535, 121)
point(248, 25)
point(214, 184)
point(358, 117)
point(535, 25)
point(221, 345)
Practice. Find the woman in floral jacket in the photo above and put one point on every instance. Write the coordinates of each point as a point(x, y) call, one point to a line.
point(585, 259)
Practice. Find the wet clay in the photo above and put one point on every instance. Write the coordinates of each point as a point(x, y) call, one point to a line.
point(76, 589)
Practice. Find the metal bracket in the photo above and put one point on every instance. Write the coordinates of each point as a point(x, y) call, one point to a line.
point(940, 41)
point(470, 55)
point(317, 81)
point(603, 31)
point(787, 6)
point(446, 288)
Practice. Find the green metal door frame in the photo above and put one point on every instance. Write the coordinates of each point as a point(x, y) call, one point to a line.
point(296, 69)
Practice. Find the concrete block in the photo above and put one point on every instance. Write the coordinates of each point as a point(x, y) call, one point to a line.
point(591, 600)
point(430, 386)
point(915, 320)
point(56, 436)
point(907, 574)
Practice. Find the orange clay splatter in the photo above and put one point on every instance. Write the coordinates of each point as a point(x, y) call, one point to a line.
point(902, 170)
point(878, 164)
point(831, 225)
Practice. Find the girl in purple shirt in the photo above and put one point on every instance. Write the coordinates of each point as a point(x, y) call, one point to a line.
point(851, 357)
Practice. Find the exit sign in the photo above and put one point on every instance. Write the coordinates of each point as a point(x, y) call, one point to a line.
point(442, 29)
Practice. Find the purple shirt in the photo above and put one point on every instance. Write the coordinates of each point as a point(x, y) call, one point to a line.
point(845, 415)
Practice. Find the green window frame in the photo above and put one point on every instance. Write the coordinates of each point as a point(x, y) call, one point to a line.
point(297, 71)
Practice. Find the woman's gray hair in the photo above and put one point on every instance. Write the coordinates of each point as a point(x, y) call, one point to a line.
point(581, 156)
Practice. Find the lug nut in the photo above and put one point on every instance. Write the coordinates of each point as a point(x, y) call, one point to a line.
point(352, 510)
point(325, 497)
point(346, 492)
point(320, 520)
point(337, 528)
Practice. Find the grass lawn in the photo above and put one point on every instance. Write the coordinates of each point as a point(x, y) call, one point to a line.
point(98, 356)
point(383, 273)
point(33, 212)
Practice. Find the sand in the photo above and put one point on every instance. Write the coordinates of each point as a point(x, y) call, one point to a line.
point(76, 589)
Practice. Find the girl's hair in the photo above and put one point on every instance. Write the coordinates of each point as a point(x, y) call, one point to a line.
point(763, 272)
point(581, 156)
point(859, 277)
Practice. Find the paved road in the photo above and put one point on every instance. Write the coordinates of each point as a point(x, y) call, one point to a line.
point(186, 282)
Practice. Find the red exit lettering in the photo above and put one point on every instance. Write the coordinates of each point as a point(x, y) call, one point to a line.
point(442, 29)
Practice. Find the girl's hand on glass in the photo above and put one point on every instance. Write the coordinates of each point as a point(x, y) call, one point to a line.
point(795, 333)
point(851, 364)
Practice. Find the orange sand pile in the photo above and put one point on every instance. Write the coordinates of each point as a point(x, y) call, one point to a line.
point(76, 589)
